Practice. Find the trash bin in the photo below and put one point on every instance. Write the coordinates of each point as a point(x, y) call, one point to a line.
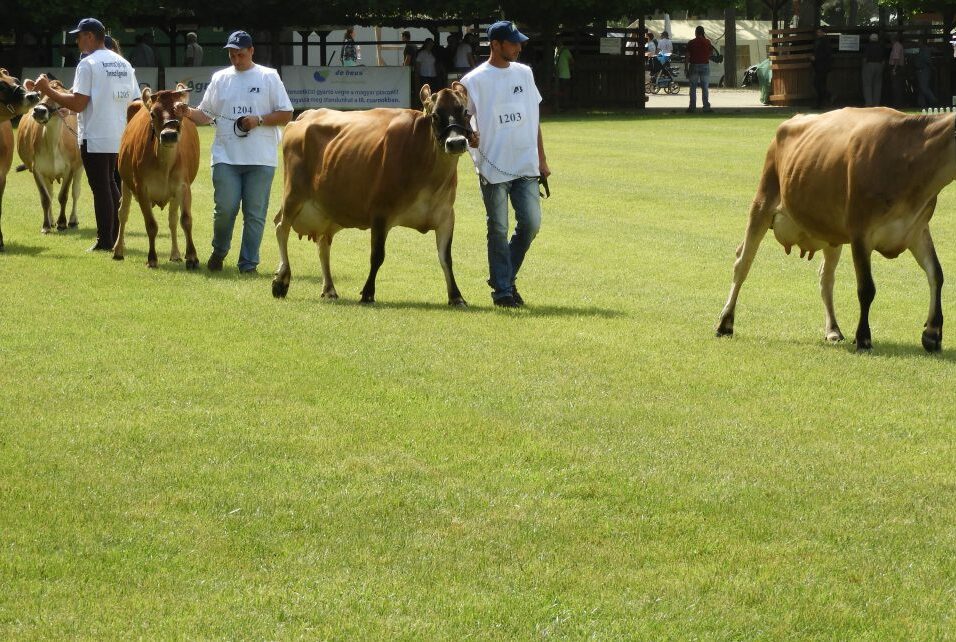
point(764, 76)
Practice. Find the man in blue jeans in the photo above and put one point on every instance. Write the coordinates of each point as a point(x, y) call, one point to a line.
point(249, 103)
point(698, 69)
point(509, 155)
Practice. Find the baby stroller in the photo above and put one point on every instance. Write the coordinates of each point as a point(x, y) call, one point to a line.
point(663, 76)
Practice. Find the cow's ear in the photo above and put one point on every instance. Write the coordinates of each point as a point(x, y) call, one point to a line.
point(3, 71)
point(28, 84)
point(147, 97)
point(460, 88)
point(425, 95)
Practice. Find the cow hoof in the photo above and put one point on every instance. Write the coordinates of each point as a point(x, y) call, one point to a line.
point(724, 332)
point(367, 300)
point(192, 264)
point(153, 264)
point(45, 230)
point(333, 295)
point(279, 289)
point(60, 227)
point(932, 342)
point(725, 328)
point(118, 257)
point(175, 259)
point(864, 345)
point(458, 303)
point(834, 336)
point(73, 225)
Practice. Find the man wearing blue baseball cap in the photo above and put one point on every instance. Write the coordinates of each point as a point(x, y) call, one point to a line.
point(508, 153)
point(249, 104)
point(103, 86)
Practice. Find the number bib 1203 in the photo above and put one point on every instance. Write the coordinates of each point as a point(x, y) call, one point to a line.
point(510, 115)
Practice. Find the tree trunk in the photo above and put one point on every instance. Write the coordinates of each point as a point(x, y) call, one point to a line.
point(730, 47)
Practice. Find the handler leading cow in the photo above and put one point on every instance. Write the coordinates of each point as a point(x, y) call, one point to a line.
point(864, 177)
point(373, 169)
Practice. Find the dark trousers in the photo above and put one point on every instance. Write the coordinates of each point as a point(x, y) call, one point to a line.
point(100, 174)
point(820, 86)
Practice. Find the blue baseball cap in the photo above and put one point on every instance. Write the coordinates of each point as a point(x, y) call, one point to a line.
point(238, 40)
point(506, 30)
point(89, 24)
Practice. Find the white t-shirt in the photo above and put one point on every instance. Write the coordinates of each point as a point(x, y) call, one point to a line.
point(461, 56)
point(110, 82)
point(504, 104)
point(425, 61)
point(258, 91)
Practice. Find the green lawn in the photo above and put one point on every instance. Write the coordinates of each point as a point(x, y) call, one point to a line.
point(181, 455)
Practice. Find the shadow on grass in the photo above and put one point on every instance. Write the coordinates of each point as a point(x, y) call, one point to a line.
point(484, 308)
point(891, 349)
point(16, 249)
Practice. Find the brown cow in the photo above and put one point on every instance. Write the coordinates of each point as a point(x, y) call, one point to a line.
point(373, 169)
point(15, 99)
point(864, 177)
point(158, 161)
point(46, 143)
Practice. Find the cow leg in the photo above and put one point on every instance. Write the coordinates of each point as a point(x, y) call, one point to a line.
point(119, 248)
point(283, 273)
point(865, 292)
point(75, 185)
point(45, 203)
point(62, 198)
point(324, 244)
point(3, 187)
point(831, 257)
point(925, 253)
point(174, 255)
point(152, 228)
point(186, 220)
point(443, 238)
point(379, 234)
point(761, 215)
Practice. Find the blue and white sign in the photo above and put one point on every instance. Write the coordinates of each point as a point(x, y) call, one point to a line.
point(347, 87)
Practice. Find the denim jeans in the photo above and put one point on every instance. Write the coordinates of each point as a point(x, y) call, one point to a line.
point(699, 77)
point(249, 185)
point(504, 257)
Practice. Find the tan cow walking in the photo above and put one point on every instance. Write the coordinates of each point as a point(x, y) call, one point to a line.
point(868, 178)
point(47, 145)
point(158, 161)
point(373, 169)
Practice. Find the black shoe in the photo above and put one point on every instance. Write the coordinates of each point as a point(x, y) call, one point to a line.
point(96, 247)
point(517, 297)
point(250, 271)
point(506, 302)
point(215, 262)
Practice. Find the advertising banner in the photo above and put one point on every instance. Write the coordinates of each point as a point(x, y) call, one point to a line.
point(347, 87)
point(195, 78)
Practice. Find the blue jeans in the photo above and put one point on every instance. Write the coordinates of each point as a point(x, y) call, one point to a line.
point(504, 257)
point(699, 76)
point(250, 185)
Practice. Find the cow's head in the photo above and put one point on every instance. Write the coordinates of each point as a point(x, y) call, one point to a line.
point(451, 122)
point(162, 112)
point(47, 106)
point(15, 99)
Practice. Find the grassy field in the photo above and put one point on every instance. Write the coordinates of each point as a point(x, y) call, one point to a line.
point(181, 455)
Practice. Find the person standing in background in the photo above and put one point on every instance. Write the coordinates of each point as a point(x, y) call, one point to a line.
point(351, 54)
point(193, 56)
point(822, 60)
point(408, 53)
point(872, 71)
point(563, 60)
point(697, 69)
point(897, 67)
